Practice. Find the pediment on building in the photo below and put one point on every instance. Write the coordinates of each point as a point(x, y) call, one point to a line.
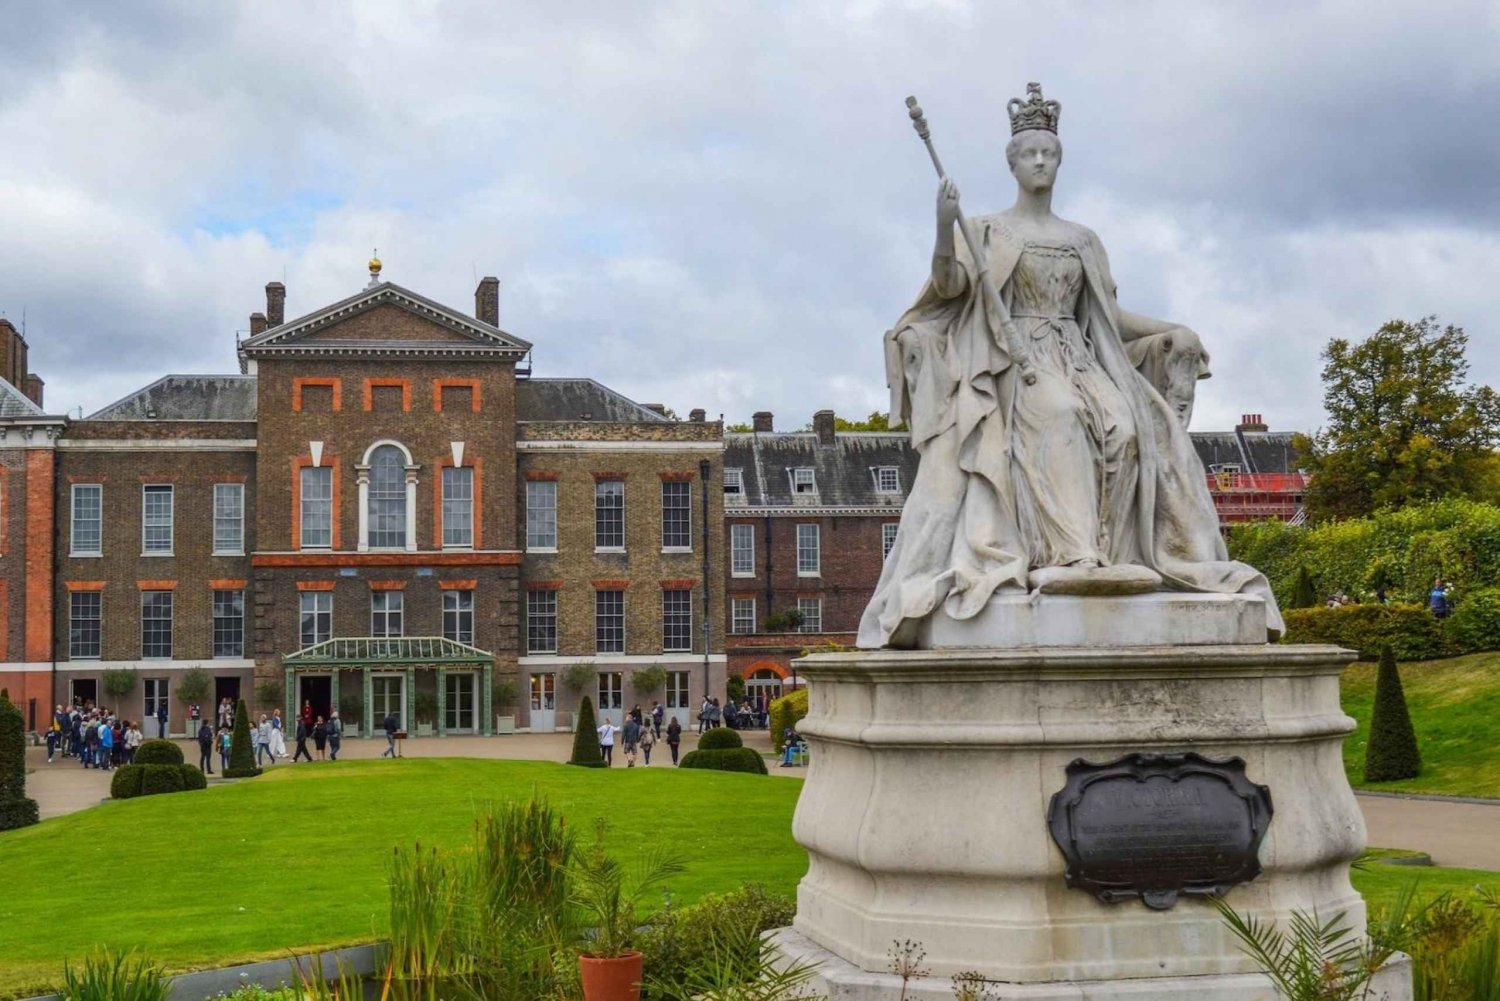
point(385, 319)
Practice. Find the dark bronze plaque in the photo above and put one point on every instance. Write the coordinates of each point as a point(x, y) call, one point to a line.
point(1157, 825)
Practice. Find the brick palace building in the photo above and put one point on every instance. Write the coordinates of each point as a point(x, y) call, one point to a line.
point(381, 511)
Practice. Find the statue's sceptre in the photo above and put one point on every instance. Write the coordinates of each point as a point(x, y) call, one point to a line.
point(1013, 342)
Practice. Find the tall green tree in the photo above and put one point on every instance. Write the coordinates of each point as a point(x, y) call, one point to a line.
point(1403, 425)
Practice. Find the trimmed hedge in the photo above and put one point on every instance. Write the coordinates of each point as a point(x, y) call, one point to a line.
point(787, 711)
point(734, 759)
point(586, 753)
point(192, 778)
point(158, 752)
point(1475, 622)
point(16, 810)
point(126, 783)
point(135, 780)
point(241, 750)
point(158, 779)
point(1411, 631)
point(720, 738)
point(1392, 752)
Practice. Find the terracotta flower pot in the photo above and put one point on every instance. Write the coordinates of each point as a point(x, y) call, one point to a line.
point(614, 979)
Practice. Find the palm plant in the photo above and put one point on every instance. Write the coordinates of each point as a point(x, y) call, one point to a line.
point(1311, 959)
point(738, 968)
point(607, 893)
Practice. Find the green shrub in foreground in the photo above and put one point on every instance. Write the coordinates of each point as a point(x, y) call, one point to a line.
point(153, 780)
point(1392, 752)
point(787, 711)
point(126, 783)
point(16, 810)
point(679, 940)
point(1410, 630)
point(115, 976)
point(158, 752)
point(192, 778)
point(734, 759)
point(720, 739)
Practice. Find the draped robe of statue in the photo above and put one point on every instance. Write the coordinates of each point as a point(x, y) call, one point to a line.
point(1086, 463)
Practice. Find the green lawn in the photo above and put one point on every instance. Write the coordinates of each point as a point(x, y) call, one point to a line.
point(297, 857)
point(1455, 708)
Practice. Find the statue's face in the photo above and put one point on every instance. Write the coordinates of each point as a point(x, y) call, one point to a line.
point(1034, 159)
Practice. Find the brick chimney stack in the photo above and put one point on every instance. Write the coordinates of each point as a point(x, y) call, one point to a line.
point(487, 301)
point(257, 323)
point(823, 426)
point(34, 386)
point(1252, 422)
point(275, 304)
point(761, 421)
point(697, 415)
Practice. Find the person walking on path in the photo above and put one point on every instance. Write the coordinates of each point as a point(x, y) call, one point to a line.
point(674, 737)
point(715, 714)
point(632, 737)
point(278, 736)
point(607, 731)
point(335, 735)
point(392, 727)
point(206, 749)
point(161, 720)
point(226, 737)
point(106, 745)
point(133, 740)
point(703, 714)
point(648, 739)
point(263, 741)
point(54, 738)
point(657, 712)
point(320, 738)
point(302, 751)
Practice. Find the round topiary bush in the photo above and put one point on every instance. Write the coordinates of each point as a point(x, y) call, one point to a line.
point(734, 759)
point(192, 778)
point(158, 752)
point(127, 782)
point(158, 779)
point(720, 739)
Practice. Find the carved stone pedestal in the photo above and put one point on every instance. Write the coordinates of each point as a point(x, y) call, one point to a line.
point(925, 811)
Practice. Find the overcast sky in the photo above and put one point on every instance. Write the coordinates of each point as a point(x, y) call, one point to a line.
point(723, 205)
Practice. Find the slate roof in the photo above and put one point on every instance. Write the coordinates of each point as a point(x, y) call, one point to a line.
point(1252, 451)
point(186, 398)
point(841, 470)
point(14, 403)
point(576, 400)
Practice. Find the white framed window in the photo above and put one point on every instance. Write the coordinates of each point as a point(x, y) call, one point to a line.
point(387, 498)
point(888, 537)
point(809, 551)
point(85, 614)
point(611, 690)
point(812, 614)
point(541, 620)
point(229, 519)
point(156, 520)
point(87, 535)
point(742, 615)
point(385, 613)
point(458, 507)
point(676, 620)
point(804, 482)
point(316, 488)
point(676, 516)
point(609, 515)
point(734, 486)
point(742, 550)
point(229, 623)
point(156, 625)
point(609, 621)
point(887, 479)
point(541, 515)
point(458, 616)
point(316, 608)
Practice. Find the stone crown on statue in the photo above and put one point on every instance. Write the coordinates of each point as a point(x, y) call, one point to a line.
point(1033, 113)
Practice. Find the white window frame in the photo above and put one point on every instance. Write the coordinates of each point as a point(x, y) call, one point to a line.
point(321, 614)
point(155, 489)
point(394, 603)
point(310, 505)
point(407, 534)
point(223, 491)
point(672, 600)
point(741, 616)
point(536, 618)
point(457, 613)
point(674, 487)
point(217, 618)
point(598, 625)
point(734, 485)
point(803, 476)
point(604, 489)
point(98, 519)
point(809, 551)
point(97, 619)
point(882, 474)
point(541, 516)
point(742, 544)
point(812, 614)
point(170, 619)
point(455, 506)
point(888, 532)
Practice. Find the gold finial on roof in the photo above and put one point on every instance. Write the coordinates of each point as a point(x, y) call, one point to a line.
point(375, 267)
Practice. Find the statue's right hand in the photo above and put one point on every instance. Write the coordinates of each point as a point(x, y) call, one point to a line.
point(947, 203)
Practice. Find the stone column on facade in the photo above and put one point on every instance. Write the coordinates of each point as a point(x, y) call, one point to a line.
point(290, 698)
point(333, 692)
point(442, 701)
point(409, 723)
point(411, 510)
point(486, 709)
point(362, 482)
point(369, 691)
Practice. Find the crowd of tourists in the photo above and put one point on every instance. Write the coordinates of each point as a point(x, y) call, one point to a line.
point(640, 735)
point(746, 715)
point(94, 735)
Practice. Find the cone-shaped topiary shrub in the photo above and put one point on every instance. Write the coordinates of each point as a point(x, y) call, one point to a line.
point(1304, 595)
point(586, 740)
point(241, 750)
point(733, 759)
point(15, 809)
point(719, 739)
point(158, 752)
point(1392, 752)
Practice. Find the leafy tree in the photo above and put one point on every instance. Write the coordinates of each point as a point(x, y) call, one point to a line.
point(738, 428)
point(241, 750)
point(16, 810)
point(877, 421)
point(1392, 752)
point(1304, 594)
point(586, 739)
point(1402, 424)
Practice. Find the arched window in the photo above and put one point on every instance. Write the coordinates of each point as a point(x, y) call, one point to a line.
point(387, 498)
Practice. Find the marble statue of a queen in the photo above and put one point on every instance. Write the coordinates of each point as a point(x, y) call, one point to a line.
point(1054, 454)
